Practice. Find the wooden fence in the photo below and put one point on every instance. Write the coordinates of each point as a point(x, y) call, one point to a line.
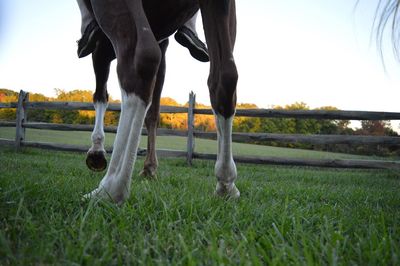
point(22, 123)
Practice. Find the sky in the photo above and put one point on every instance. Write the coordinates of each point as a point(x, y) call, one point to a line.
point(314, 51)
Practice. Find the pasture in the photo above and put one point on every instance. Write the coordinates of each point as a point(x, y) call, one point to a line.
point(179, 143)
point(286, 215)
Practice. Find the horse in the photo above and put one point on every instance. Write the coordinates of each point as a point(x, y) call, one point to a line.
point(136, 34)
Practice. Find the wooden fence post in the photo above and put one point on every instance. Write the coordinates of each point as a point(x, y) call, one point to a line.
point(21, 118)
point(190, 128)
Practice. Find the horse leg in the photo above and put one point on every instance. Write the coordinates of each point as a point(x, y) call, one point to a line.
point(219, 20)
point(138, 59)
point(152, 118)
point(101, 57)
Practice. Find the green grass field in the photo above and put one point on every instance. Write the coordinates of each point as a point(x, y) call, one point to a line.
point(285, 216)
point(179, 143)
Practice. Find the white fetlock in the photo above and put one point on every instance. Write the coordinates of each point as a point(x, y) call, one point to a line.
point(227, 190)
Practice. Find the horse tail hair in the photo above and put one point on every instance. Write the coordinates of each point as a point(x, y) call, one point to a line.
point(387, 13)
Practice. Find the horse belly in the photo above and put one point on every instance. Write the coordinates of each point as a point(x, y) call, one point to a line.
point(166, 16)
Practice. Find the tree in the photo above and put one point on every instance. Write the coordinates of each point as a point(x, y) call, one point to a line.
point(7, 96)
point(376, 128)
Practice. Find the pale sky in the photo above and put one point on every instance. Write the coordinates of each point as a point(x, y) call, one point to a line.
point(315, 51)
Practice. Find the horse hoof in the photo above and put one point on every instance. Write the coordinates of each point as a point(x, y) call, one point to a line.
point(96, 161)
point(148, 174)
point(227, 190)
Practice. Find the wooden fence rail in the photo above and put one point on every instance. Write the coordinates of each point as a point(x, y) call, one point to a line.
point(310, 114)
point(236, 137)
point(23, 105)
point(309, 139)
point(262, 113)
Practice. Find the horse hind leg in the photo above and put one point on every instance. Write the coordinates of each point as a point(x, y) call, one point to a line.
point(138, 59)
point(219, 20)
point(152, 118)
point(101, 58)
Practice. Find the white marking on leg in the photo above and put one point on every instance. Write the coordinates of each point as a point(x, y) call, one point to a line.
point(116, 183)
point(225, 168)
point(98, 131)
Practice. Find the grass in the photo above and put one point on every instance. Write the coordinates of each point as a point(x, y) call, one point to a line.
point(179, 143)
point(285, 216)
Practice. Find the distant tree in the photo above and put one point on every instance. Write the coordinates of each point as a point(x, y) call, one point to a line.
point(376, 128)
point(74, 95)
point(8, 114)
point(38, 97)
point(247, 124)
point(167, 101)
point(7, 96)
point(172, 121)
point(41, 115)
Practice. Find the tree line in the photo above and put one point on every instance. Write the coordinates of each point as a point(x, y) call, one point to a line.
point(207, 123)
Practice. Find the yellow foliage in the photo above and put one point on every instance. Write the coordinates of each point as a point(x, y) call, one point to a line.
point(89, 114)
point(57, 119)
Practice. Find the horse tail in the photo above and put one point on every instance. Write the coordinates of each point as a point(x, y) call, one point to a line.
point(388, 14)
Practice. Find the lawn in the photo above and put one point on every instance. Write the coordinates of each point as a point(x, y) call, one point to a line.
point(179, 143)
point(286, 215)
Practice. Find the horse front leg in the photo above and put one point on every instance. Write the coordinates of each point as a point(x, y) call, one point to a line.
point(138, 58)
point(219, 20)
point(101, 58)
point(152, 119)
